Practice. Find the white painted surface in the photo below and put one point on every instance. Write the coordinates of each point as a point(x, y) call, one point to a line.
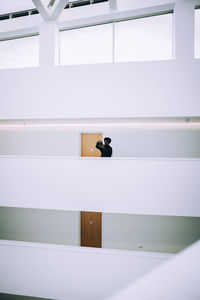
point(9, 6)
point(40, 225)
point(146, 89)
point(50, 141)
point(127, 141)
point(20, 26)
point(184, 34)
point(149, 233)
point(62, 272)
point(137, 186)
point(197, 33)
point(82, 15)
point(153, 89)
point(177, 279)
point(89, 13)
point(119, 231)
point(49, 39)
point(102, 12)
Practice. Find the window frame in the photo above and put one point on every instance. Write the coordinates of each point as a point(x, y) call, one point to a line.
point(117, 20)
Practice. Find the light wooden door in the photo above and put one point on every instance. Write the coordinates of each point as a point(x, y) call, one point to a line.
point(91, 229)
point(90, 221)
point(88, 144)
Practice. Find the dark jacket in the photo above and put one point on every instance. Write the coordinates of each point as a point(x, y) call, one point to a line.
point(106, 151)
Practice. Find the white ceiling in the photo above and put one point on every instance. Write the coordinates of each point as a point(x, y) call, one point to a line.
point(9, 6)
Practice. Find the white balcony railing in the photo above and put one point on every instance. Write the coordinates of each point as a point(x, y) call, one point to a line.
point(177, 279)
point(137, 90)
point(118, 185)
point(64, 272)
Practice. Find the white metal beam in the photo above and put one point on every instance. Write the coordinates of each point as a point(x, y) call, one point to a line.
point(113, 4)
point(51, 11)
point(57, 9)
point(183, 46)
point(42, 8)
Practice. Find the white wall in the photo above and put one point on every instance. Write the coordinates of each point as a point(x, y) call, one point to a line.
point(127, 141)
point(142, 89)
point(149, 233)
point(119, 231)
point(137, 186)
point(62, 272)
point(40, 225)
point(146, 89)
point(155, 142)
point(40, 141)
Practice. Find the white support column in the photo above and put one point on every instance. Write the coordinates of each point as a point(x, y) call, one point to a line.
point(49, 44)
point(183, 48)
point(113, 4)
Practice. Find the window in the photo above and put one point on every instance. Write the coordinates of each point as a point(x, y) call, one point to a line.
point(19, 52)
point(86, 45)
point(144, 39)
point(197, 34)
point(141, 39)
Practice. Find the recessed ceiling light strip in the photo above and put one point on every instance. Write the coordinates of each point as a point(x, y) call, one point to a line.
point(107, 124)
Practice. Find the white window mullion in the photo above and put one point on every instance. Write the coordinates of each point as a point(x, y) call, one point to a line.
point(113, 43)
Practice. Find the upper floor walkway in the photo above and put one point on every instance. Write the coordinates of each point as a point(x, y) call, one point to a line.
point(119, 185)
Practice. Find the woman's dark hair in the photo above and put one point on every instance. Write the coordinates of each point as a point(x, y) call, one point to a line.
point(107, 139)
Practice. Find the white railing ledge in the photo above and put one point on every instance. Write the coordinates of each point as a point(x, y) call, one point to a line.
point(12, 243)
point(153, 186)
point(102, 158)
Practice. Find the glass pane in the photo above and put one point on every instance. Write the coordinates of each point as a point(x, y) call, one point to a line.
point(86, 45)
point(144, 39)
point(19, 53)
point(197, 33)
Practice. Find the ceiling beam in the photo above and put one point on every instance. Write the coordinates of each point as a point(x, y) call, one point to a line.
point(52, 11)
point(57, 8)
point(43, 10)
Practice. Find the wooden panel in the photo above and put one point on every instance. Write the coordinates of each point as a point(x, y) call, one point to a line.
point(91, 229)
point(88, 144)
